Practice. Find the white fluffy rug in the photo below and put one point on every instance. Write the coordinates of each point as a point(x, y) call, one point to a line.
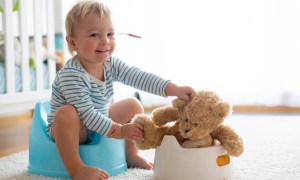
point(272, 151)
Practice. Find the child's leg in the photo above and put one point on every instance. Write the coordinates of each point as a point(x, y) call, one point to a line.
point(68, 133)
point(122, 112)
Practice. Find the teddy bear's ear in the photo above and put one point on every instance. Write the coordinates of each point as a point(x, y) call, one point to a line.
point(222, 109)
point(178, 103)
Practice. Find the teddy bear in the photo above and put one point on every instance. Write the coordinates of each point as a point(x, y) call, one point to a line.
point(32, 62)
point(195, 123)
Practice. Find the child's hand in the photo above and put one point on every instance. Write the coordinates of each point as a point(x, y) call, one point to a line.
point(130, 131)
point(182, 92)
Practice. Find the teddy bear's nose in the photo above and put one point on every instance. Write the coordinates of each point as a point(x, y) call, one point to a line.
point(187, 130)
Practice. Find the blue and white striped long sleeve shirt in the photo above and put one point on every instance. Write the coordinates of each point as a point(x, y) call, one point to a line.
point(91, 97)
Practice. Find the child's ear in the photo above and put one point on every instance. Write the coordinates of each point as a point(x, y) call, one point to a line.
point(178, 103)
point(71, 43)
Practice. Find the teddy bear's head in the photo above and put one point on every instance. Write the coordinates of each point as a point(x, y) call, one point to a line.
point(201, 115)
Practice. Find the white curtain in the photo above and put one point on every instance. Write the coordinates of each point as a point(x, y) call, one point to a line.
point(247, 51)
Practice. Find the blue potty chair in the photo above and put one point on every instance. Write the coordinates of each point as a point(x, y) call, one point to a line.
point(101, 152)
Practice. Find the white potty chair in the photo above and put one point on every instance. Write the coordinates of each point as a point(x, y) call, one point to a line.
point(174, 162)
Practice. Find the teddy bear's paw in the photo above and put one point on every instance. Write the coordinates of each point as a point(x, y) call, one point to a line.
point(149, 132)
point(235, 148)
point(140, 119)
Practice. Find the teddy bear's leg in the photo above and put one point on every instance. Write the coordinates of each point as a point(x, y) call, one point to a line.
point(204, 142)
point(229, 139)
point(152, 135)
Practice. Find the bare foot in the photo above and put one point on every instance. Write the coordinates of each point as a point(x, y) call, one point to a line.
point(90, 173)
point(134, 160)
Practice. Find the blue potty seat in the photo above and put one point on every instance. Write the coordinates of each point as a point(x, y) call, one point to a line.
point(105, 153)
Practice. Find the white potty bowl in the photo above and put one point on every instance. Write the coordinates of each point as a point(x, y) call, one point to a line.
point(174, 162)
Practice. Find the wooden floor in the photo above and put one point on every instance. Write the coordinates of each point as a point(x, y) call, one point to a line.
point(14, 133)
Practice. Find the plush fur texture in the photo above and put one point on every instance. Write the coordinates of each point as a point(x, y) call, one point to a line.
point(198, 123)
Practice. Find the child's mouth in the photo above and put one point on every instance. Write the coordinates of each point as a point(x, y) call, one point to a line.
point(102, 51)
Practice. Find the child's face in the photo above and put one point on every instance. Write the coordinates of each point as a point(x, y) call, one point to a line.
point(94, 39)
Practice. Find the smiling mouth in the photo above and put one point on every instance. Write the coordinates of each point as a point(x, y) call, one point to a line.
point(102, 51)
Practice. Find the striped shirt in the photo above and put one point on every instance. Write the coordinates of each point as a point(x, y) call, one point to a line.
point(91, 97)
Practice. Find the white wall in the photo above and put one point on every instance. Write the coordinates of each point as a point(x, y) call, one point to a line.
point(246, 50)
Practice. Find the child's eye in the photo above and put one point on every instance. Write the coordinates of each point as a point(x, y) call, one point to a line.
point(110, 34)
point(94, 35)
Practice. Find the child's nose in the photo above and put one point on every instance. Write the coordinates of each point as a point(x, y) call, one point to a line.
point(104, 40)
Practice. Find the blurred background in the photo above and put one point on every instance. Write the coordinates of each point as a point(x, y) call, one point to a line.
point(246, 51)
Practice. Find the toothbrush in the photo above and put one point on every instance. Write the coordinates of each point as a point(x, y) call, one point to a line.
point(131, 35)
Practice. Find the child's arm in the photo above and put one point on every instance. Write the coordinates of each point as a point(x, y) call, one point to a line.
point(182, 92)
point(148, 82)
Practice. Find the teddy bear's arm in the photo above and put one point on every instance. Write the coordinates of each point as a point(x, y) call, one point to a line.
point(163, 115)
point(152, 134)
point(229, 139)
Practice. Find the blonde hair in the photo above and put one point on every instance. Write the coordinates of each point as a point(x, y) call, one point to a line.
point(81, 9)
